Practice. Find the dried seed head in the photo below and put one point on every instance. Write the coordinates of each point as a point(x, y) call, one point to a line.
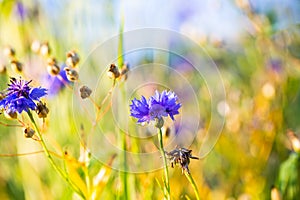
point(35, 46)
point(45, 49)
point(85, 92)
point(9, 114)
point(294, 140)
point(16, 66)
point(52, 67)
point(72, 75)
point(113, 71)
point(42, 110)
point(124, 71)
point(72, 59)
point(9, 52)
point(28, 132)
point(2, 69)
point(181, 156)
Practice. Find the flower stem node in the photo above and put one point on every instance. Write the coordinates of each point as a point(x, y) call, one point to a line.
point(16, 66)
point(42, 110)
point(72, 74)
point(52, 67)
point(85, 92)
point(113, 72)
point(28, 132)
point(72, 58)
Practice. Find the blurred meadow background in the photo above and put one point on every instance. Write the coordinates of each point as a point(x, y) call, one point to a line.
point(256, 47)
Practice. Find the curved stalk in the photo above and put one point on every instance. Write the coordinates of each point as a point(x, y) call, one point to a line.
point(191, 180)
point(57, 169)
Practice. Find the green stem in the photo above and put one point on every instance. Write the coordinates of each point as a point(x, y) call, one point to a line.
point(191, 180)
point(120, 46)
point(57, 169)
point(166, 172)
point(125, 175)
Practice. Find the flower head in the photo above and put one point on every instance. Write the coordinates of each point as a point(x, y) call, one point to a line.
point(20, 96)
point(181, 156)
point(157, 106)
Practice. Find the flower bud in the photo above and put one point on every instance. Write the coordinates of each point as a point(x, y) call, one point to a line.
point(52, 67)
point(124, 71)
point(113, 71)
point(72, 75)
point(72, 59)
point(16, 66)
point(45, 49)
point(9, 52)
point(35, 46)
point(85, 92)
point(28, 132)
point(42, 110)
point(9, 114)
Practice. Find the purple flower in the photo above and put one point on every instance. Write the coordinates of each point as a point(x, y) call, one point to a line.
point(20, 96)
point(158, 106)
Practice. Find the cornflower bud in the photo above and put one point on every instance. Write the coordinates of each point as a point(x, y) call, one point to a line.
point(113, 71)
point(16, 66)
point(72, 59)
point(28, 132)
point(85, 92)
point(124, 71)
point(42, 110)
point(72, 75)
point(52, 67)
point(45, 49)
point(9, 114)
point(35, 46)
point(9, 52)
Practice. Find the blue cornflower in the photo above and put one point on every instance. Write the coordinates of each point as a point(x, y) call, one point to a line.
point(20, 96)
point(157, 106)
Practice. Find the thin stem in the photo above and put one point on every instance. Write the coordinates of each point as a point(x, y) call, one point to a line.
point(166, 172)
point(124, 174)
point(48, 154)
point(191, 180)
